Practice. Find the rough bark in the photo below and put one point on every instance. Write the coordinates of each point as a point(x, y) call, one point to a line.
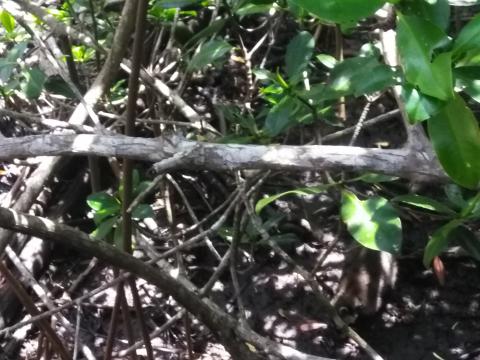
point(407, 163)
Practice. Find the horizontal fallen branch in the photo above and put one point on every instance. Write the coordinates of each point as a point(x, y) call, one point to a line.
point(166, 278)
point(413, 165)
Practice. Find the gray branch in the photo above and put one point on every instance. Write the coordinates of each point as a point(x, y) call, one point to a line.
point(414, 165)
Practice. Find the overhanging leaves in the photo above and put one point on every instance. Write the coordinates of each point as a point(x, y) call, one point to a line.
point(455, 137)
point(468, 38)
point(299, 53)
point(345, 12)
point(417, 39)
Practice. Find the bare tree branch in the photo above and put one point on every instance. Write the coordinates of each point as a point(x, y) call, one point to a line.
point(406, 163)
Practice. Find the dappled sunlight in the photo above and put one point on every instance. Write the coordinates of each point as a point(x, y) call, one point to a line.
point(290, 155)
point(83, 142)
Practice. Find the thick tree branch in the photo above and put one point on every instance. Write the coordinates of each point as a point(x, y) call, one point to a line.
point(406, 163)
point(165, 277)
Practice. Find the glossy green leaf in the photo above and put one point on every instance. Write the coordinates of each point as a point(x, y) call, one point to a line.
point(101, 215)
point(346, 79)
point(142, 211)
point(280, 117)
point(468, 38)
point(210, 52)
point(438, 241)
point(302, 191)
point(7, 20)
point(264, 75)
point(345, 12)
point(103, 201)
point(299, 54)
point(419, 106)
point(327, 60)
point(374, 223)
point(417, 39)
point(437, 12)
point(455, 137)
point(104, 228)
point(468, 79)
point(33, 85)
point(424, 202)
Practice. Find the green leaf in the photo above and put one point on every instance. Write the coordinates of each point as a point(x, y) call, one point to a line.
point(209, 52)
point(299, 53)
point(468, 38)
point(263, 75)
point(472, 207)
point(437, 12)
point(327, 60)
point(280, 117)
point(101, 215)
point(424, 202)
point(301, 191)
point(416, 40)
point(254, 8)
point(33, 86)
point(346, 79)
point(142, 211)
point(455, 195)
point(468, 79)
point(345, 12)
point(374, 223)
point(141, 187)
point(102, 201)
point(104, 228)
point(455, 137)
point(373, 178)
point(419, 106)
point(7, 20)
point(8, 64)
point(438, 241)
point(56, 85)
point(467, 240)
